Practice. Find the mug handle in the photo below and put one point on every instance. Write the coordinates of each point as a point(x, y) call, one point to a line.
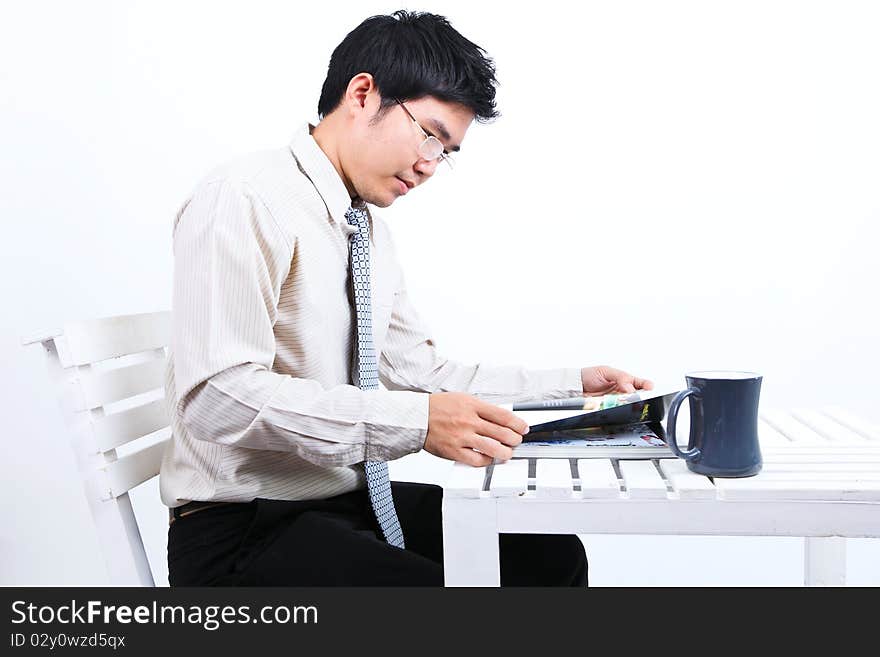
point(690, 454)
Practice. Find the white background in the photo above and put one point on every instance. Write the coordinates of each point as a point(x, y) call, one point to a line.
point(672, 186)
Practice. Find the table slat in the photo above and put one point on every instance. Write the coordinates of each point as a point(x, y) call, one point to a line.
point(510, 479)
point(788, 426)
point(687, 484)
point(822, 457)
point(800, 490)
point(827, 447)
point(795, 475)
point(788, 466)
point(642, 480)
point(598, 479)
point(827, 427)
point(767, 435)
point(553, 478)
point(869, 430)
point(464, 481)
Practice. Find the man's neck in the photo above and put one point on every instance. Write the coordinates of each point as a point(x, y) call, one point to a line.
point(326, 135)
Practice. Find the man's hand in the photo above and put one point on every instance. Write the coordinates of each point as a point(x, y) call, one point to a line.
point(458, 424)
point(603, 379)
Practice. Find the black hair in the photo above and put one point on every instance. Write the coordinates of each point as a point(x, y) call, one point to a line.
point(412, 55)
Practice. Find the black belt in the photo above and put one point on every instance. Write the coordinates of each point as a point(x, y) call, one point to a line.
point(189, 508)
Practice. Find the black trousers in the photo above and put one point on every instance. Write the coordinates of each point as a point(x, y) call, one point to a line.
point(337, 542)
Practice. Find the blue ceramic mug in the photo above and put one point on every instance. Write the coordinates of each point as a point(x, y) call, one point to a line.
point(724, 423)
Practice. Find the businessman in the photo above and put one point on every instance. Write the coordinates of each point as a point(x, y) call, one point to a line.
point(298, 365)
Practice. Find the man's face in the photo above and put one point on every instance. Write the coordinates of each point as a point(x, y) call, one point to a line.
point(382, 159)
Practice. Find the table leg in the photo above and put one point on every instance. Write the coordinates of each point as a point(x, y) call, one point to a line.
point(470, 542)
point(825, 561)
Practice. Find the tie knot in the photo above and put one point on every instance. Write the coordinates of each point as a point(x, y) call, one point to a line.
point(357, 216)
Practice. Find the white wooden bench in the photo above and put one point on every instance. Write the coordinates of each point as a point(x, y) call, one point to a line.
point(109, 375)
point(820, 481)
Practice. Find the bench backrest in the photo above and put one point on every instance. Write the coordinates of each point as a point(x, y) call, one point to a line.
point(110, 377)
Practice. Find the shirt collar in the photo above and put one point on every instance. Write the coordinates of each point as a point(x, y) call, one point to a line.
point(324, 177)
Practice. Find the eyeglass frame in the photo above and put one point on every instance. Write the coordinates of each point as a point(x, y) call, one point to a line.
point(429, 138)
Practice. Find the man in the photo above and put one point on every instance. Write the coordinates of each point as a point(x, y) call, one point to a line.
point(290, 308)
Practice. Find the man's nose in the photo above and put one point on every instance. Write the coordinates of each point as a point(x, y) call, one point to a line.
point(426, 168)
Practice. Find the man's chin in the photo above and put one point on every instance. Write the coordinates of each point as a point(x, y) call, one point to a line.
point(379, 201)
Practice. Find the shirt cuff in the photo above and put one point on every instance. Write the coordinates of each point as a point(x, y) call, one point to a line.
point(557, 384)
point(396, 424)
point(574, 381)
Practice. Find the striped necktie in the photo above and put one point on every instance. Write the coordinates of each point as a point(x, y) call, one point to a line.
point(365, 370)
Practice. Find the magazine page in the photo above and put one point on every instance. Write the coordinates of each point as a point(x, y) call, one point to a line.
point(640, 441)
point(597, 411)
point(638, 435)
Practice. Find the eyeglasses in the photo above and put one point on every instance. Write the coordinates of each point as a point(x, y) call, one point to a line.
point(431, 148)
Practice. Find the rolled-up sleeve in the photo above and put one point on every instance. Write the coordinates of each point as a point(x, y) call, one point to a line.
point(231, 259)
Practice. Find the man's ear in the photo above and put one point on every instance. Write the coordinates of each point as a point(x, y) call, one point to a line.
point(358, 91)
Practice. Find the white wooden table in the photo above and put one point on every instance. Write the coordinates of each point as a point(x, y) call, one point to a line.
point(820, 480)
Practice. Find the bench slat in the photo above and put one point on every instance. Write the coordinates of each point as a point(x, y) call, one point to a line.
point(111, 337)
point(116, 429)
point(103, 388)
point(553, 478)
point(598, 479)
point(134, 469)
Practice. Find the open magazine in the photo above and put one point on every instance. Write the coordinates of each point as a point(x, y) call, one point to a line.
point(627, 426)
point(637, 441)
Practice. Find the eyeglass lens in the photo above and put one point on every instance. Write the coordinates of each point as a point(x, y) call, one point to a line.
point(431, 148)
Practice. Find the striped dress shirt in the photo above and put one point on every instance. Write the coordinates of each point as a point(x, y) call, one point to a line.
point(258, 378)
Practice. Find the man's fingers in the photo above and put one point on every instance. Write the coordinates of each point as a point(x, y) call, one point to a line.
point(503, 417)
point(491, 447)
point(499, 433)
point(624, 381)
point(602, 379)
point(630, 383)
point(470, 457)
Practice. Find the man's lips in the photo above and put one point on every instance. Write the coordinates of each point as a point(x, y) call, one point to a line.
point(405, 185)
